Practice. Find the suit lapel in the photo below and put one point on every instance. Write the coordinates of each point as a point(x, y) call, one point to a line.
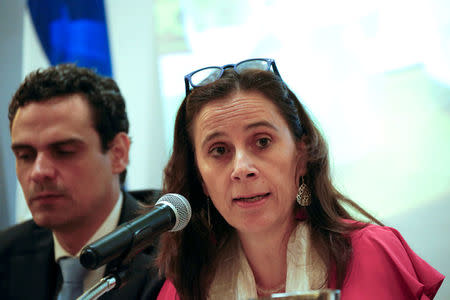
point(130, 210)
point(35, 261)
point(145, 281)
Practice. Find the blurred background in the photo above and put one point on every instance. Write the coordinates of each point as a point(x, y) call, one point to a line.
point(375, 75)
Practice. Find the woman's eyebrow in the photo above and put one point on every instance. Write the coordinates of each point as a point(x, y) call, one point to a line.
point(261, 123)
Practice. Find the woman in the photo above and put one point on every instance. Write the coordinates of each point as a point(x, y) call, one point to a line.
point(266, 217)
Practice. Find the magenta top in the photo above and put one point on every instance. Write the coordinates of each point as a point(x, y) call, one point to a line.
point(383, 266)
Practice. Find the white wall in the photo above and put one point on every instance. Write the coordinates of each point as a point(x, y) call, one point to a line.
point(11, 13)
point(134, 60)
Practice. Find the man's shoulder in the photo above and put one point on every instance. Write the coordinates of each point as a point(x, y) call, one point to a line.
point(17, 232)
point(21, 236)
point(132, 207)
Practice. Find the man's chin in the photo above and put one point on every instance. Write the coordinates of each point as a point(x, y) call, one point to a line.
point(47, 220)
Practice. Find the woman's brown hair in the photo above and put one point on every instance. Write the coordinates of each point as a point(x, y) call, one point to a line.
point(189, 257)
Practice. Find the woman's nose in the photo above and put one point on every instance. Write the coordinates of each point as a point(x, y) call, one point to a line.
point(244, 167)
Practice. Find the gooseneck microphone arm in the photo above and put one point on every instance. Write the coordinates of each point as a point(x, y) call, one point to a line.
point(103, 286)
point(171, 212)
point(122, 242)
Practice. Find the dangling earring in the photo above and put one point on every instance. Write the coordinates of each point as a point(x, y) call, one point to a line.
point(303, 194)
point(212, 236)
point(207, 211)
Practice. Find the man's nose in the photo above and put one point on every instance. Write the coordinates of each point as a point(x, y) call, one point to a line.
point(43, 168)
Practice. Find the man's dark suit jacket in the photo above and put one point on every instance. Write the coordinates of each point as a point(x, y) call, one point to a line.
point(28, 269)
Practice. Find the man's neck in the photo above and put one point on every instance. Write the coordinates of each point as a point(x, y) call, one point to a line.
point(73, 238)
point(74, 244)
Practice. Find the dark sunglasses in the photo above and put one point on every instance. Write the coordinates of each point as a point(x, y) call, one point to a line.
point(207, 75)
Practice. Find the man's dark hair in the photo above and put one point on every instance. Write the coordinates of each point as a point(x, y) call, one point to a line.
point(101, 93)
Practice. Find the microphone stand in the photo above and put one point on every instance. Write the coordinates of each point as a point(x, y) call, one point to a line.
point(117, 278)
point(112, 281)
point(104, 285)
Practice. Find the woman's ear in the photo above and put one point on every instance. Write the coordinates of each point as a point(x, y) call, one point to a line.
point(302, 159)
point(119, 150)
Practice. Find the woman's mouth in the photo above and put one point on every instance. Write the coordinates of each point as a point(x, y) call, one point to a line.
point(252, 198)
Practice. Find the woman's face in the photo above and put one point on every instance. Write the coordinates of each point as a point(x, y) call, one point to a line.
point(249, 162)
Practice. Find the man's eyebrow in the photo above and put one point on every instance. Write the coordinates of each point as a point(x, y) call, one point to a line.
point(19, 146)
point(71, 141)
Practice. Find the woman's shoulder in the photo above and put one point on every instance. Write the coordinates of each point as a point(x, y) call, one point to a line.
point(378, 236)
point(375, 234)
point(382, 258)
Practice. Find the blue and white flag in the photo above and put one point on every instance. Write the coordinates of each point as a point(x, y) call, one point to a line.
point(73, 31)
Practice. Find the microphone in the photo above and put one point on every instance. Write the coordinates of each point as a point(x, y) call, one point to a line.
point(171, 212)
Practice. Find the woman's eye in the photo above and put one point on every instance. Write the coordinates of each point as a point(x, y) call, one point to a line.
point(263, 142)
point(218, 151)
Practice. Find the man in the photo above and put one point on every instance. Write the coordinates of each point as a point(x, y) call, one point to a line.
point(68, 130)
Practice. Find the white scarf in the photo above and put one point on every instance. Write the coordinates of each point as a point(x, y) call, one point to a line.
point(305, 270)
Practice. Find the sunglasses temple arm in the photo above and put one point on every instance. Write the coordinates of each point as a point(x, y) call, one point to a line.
point(275, 69)
point(187, 86)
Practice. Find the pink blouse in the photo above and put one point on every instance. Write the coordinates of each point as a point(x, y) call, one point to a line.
point(383, 267)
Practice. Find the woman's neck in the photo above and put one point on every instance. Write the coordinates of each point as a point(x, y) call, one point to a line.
point(266, 255)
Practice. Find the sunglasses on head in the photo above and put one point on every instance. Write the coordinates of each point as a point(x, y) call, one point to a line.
point(207, 75)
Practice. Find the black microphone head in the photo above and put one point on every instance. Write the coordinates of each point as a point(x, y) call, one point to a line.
point(180, 207)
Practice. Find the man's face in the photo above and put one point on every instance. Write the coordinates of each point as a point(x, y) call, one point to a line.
point(66, 178)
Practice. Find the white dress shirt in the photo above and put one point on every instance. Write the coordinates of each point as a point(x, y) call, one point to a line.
point(108, 225)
